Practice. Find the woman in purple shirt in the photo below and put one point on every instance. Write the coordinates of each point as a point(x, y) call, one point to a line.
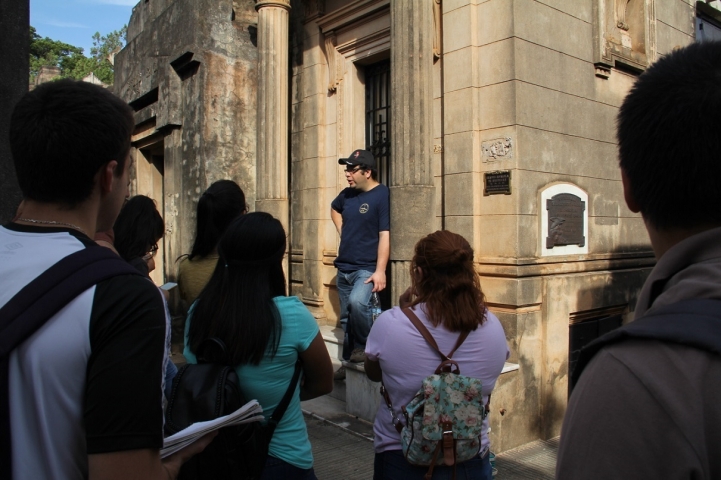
point(446, 296)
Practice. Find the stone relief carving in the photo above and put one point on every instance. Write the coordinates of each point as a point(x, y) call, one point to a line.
point(565, 220)
point(497, 149)
point(331, 56)
point(621, 7)
point(624, 35)
point(437, 23)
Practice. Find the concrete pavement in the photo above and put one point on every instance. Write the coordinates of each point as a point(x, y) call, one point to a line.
point(343, 447)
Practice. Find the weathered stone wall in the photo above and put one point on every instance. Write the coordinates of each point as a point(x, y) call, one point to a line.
point(189, 70)
point(519, 85)
point(520, 76)
point(14, 57)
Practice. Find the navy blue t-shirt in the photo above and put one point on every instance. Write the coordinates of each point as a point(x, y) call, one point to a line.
point(365, 215)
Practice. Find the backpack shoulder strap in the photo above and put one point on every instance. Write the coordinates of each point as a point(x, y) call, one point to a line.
point(285, 401)
point(40, 299)
point(35, 304)
point(695, 323)
point(429, 338)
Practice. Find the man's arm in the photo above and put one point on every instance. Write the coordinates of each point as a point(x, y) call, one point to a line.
point(384, 252)
point(145, 463)
point(337, 218)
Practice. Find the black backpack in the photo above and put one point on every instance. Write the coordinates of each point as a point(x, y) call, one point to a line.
point(211, 389)
point(694, 323)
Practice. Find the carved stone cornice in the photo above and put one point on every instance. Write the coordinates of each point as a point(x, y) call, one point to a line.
point(350, 13)
point(313, 9)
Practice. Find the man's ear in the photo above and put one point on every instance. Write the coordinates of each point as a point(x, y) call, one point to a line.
point(107, 174)
point(628, 193)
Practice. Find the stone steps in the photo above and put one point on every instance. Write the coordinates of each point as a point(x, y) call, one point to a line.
point(333, 338)
point(361, 396)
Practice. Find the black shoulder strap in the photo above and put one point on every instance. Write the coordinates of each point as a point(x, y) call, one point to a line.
point(695, 323)
point(283, 405)
point(36, 303)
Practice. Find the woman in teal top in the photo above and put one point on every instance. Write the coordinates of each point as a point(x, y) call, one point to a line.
point(265, 332)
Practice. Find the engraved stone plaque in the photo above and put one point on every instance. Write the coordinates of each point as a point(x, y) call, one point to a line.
point(497, 183)
point(565, 220)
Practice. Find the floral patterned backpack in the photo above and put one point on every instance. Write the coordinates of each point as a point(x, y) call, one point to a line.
point(443, 421)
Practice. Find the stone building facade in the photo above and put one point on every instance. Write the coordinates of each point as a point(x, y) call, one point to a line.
point(492, 118)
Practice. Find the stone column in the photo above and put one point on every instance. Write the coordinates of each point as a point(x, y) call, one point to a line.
point(412, 189)
point(272, 146)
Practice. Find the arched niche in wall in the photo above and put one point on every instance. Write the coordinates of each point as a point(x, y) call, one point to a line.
point(564, 220)
point(624, 35)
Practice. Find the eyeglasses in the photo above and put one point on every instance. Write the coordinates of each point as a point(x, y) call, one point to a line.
point(151, 253)
point(352, 169)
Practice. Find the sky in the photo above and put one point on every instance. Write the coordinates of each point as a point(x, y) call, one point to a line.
point(75, 21)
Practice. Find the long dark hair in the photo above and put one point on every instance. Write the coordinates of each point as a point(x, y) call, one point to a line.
point(219, 205)
point(445, 280)
point(138, 227)
point(236, 305)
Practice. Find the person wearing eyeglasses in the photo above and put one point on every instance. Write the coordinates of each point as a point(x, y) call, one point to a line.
point(361, 214)
point(138, 229)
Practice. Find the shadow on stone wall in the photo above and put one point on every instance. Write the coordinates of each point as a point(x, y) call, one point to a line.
point(14, 57)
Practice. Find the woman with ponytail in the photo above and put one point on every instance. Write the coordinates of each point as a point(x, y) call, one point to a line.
point(445, 294)
point(219, 205)
point(265, 332)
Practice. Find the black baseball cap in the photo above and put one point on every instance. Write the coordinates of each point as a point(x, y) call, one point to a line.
point(359, 157)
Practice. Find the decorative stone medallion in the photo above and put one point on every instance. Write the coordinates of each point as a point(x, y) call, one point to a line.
point(497, 149)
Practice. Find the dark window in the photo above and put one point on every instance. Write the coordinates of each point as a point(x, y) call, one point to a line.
point(587, 326)
point(378, 116)
point(707, 29)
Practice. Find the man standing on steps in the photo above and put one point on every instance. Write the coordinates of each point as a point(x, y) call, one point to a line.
point(361, 214)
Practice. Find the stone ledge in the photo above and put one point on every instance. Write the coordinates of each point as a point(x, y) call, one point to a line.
point(363, 396)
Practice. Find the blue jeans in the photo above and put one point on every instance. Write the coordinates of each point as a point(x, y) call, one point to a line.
point(355, 312)
point(392, 465)
point(277, 469)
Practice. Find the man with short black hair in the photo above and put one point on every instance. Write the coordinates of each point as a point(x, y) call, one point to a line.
point(361, 214)
point(647, 403)
point(85, 390)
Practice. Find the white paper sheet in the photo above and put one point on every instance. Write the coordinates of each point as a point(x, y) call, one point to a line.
point(248, 413)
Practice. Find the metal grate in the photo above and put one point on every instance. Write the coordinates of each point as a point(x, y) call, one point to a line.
point(378, 113)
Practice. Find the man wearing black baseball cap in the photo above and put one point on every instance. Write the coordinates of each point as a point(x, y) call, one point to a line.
point(361, 214)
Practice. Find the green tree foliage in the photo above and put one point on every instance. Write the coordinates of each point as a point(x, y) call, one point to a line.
point(46, 52)
point(70, 59)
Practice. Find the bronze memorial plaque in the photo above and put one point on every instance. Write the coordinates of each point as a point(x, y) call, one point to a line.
point(497, 183)
point(565, 220)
